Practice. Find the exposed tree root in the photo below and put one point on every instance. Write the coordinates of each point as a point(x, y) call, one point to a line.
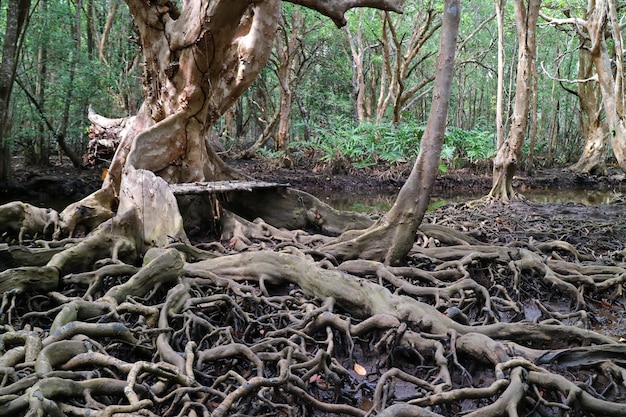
point(284, 328)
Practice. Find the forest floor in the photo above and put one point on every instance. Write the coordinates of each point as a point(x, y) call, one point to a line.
point(60, 181)
point(596, 231)
point(595, 228)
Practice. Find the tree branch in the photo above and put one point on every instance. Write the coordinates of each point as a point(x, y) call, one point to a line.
point(335, 9)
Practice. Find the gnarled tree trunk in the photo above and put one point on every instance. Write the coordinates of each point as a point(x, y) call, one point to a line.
point(198, 61)
point(592, 159)
point(600, 13)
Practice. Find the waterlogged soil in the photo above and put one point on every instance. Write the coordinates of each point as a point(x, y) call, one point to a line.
point(596, 230)
point(60, 182)
point(593, 227)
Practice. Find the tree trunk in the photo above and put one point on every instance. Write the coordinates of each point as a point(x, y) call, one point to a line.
point(40, 153)
point(533, 126)
point(391, 238)
point(611, 88)
point(61, 133)
point(508, 155)
point(358, 75)
point(288, 68)
point(592, 159)
point(16, 22)
point(198, 62)
point(500, 4)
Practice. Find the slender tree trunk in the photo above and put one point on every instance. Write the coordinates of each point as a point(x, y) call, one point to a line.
point(106, 30)
point(500, 4)
point(304, 112)
point(386, 77)
point(16, 23)
point(41, 152)
point(61, 134)
point(618, 139)
point(533, 126)
point(509, 153)
point(287, 52)
point(391, 238)
point(358, 74)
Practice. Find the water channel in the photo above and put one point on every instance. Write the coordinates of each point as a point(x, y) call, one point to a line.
point(381, 202)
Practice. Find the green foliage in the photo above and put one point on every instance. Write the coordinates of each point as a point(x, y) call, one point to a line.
point(325, 92)
point(468, 145)
point(60, 60)
point(366, 144)
point(370, 144)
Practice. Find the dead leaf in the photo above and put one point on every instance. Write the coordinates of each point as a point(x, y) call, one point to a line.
point(360, 370)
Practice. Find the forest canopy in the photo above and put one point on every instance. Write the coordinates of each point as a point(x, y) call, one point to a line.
point(60, 76)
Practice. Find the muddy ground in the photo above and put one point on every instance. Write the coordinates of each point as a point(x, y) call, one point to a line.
point(61, 181)
point(597, 229)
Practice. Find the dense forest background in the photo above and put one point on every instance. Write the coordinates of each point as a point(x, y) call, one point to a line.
point(353, 97)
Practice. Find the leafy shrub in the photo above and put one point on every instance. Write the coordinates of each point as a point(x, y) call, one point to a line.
point(369, 144)
point(469, 145)
point(366, 144)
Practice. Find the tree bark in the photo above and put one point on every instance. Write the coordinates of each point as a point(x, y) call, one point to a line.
point(611, 88)
point(358, 75)
point(198, 62)
point(509, 153)
point(592, 159)
point(16, 22)
point(391, 238)
point(500, 4)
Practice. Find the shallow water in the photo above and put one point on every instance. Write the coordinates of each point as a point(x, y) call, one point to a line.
point(381, 202)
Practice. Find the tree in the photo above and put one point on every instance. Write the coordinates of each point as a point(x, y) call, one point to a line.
point(391, 238)
point(509, 153)
point(290, 62)
point(132, 319)
point(500, 88)
point(16, 23)
point(592, 159)
point(600, 24)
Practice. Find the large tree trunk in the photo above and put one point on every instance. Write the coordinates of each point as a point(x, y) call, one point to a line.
point(508, 156)
point(600, 12)
point(198, 62)
point(391, 238)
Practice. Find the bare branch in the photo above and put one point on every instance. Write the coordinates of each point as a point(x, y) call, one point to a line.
point(575, 22)
point(336, 9)
point(565, 80)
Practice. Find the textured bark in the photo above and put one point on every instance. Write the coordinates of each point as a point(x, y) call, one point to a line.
point(500, 85)
point(391, 238)
point(599, 25)
point(592, 159)
point(198, 61)
point(509, 153)
point(16, 21)
point(357, 48)
point(611, 86)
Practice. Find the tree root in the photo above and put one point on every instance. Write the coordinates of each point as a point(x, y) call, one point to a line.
point(464, 329)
